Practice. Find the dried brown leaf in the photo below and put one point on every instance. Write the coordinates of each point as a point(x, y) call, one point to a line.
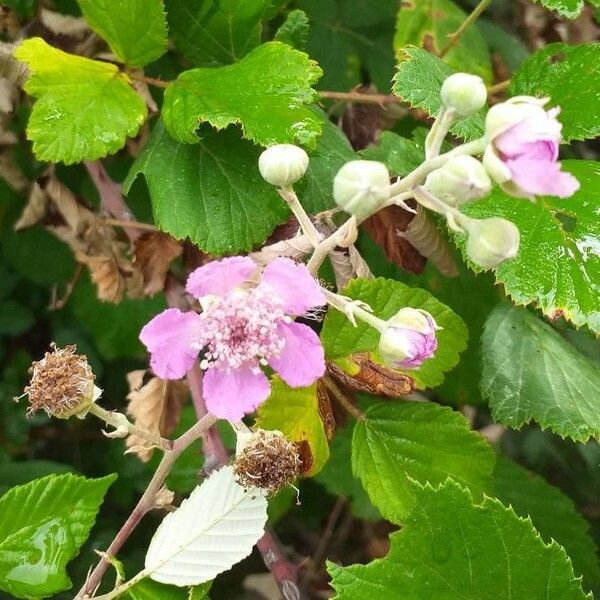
point(325, 409)
point(11, 173)
point(154, 405)
point(372, 378)
point(10, 68)
point(153, 254)
point(386, 228)
point(295, 247)
point(67, 25)
point(35, 209)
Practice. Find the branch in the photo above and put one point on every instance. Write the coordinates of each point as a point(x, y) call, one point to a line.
point(455, 37)
point(145, 504)
point(358, 98)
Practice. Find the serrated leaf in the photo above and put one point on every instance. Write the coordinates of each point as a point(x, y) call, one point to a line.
point(400, 154)
point(429, 23)
point(418, 81)
point(531, 373)
point(424, 442)
point(294, 30)
point(42, 526)
point(386, 297)
point(566, 8)
point(295, 412)
point(558, 265)
point(337, 477)
point(350, 37)
point(212, 530)
point(216, 32)
point(570, 77)
point(450, 548)
point(85, 109)
point(267, 93)
point(152, 590)
point(136, 30)
point(553, 514)
point(211, 192)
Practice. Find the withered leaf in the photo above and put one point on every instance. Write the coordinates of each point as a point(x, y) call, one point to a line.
point(325, 409)
point(154, 252)
point(154, 405)
point(372, 378)
point(386, 228)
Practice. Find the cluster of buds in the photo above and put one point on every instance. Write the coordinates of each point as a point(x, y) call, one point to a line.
point(62, 384)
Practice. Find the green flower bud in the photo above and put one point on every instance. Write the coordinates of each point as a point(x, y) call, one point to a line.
point(491, 241)
point(361, 187)
point(283, 164)
point(461, 179)
point(464, 93)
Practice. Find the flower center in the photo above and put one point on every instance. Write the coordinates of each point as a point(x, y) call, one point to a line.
point(241, 329)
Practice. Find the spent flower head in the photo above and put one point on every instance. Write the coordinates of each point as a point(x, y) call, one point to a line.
point(246, 323)
point(62, 384)
point(267, 460)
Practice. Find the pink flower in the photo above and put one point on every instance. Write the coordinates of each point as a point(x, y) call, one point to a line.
point(522, 154)
point(409, 339)
point(245, 323)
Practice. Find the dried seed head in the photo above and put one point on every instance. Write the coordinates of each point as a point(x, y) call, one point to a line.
point(268, 461)
point(62, 384)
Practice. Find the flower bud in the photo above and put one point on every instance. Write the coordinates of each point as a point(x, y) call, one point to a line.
point(502, 117)
point(267, 460)
point(461, 179)
point(283, 164)
point(464, 93)
point(409, 339)
point(361, 187)
point(62, 384)
point(492, 241)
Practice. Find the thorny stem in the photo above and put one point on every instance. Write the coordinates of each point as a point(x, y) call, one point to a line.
point(307, 226)
point(357, 97)
point(120, 422)
point(352, 308)
point(145, 503)
point(455, 37)
point(344, 236)
point(343, 401)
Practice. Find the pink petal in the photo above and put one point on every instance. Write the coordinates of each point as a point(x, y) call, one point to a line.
point(542, 177)
point(220, 276)
point(302, 360)
point(293, 284)
point(169, 338)
point(232, 394)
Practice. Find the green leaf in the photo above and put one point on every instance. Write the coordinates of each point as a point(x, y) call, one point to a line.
point(14, 318)
point(386, 297)
point(450, 548)
point(333, 150)
point(507, 45)
point(558, 265)
point(430, 23)
point(216, 32)
point(425, 442)
point(349, 37)
point(294, 30)
point(114, 327)
point(418, 81)
point(553, 514)
point(570, 77)
point(85, 109)
point(211, 192)
point(136, 30)
point(295, 412)
point(531, 372)
point(19, 472)
point(266, 93)
point(565, 8)
point(338, 479)
point(42, 526)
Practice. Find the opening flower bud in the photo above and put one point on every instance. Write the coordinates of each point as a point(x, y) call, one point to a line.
point(267, 460)
point(361, 187)
point(461, 179)
point(409, 339)
point(283, 164)
point(492, 241)
point(464, 93)
point(62, 384)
